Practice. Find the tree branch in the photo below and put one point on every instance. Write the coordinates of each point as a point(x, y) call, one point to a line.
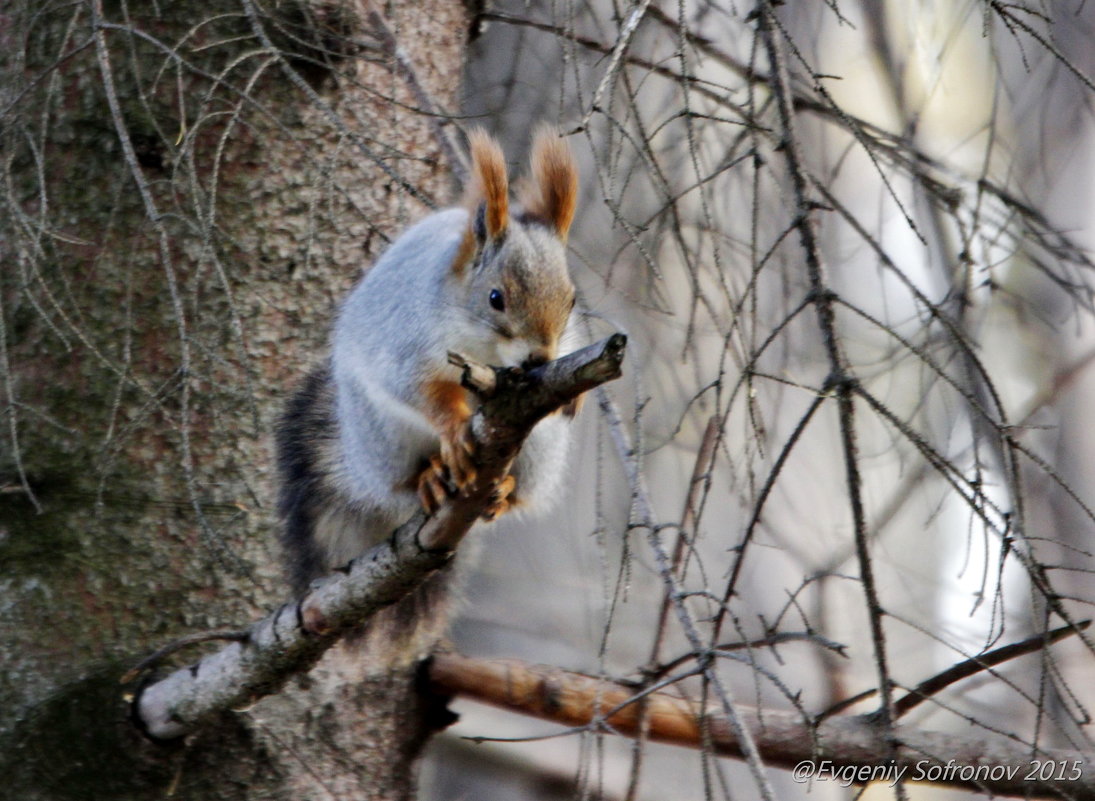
point(292, 639)
point(841, 380)
point(974, 665)
point(784, 739)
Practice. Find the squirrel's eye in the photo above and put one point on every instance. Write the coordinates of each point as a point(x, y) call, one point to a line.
point(497, 300)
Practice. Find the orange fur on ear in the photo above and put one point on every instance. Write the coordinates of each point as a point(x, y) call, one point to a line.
point(552, 194)
point(489, 184)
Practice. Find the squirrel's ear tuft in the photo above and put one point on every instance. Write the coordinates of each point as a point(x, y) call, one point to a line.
point(551, 194)
point(489, 187)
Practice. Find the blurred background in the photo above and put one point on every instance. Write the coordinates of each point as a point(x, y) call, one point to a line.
point(948, 162)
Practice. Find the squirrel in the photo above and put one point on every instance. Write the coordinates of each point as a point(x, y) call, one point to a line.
point(381, 426)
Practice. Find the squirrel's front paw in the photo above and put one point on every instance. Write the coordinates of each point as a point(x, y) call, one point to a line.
point(456, 456)
point(501, 499)
point(434, 485)
point(448, 473)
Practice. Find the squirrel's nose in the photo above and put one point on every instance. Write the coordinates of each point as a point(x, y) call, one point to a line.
point(536, 359)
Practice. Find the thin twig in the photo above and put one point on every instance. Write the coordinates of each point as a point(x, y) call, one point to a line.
point(644, 514)
point(701, 477)
point(841, 380)
point(153, 659)
point(962, 670)
point(768, 641)
point(974, 665)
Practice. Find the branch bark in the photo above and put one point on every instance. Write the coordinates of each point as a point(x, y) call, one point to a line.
point(854, 746)
point(291, 639)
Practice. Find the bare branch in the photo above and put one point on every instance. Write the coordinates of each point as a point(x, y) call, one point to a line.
point(783, 738)
point(971, 667)
point(841, 380)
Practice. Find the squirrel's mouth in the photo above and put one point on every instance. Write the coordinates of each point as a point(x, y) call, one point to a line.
point(515, 352)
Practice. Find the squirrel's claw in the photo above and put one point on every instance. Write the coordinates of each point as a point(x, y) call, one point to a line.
point(501, 499)
point(434, 486)
point(449, 472)
point(456, 455)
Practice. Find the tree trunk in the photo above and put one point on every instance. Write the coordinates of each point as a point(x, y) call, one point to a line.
point(186, 195)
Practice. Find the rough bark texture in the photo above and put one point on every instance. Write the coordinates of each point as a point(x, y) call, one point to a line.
point(160, 297)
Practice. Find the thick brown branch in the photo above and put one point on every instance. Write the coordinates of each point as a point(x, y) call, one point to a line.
point(291, 640)
point(987, 763)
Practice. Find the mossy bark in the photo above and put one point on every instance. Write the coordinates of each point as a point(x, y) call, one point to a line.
point(160, 297)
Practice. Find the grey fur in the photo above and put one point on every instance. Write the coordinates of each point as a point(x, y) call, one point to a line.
point(354, 437)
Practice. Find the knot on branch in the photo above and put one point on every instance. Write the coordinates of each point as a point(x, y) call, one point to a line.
point(822, 297)
point(840, 382)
